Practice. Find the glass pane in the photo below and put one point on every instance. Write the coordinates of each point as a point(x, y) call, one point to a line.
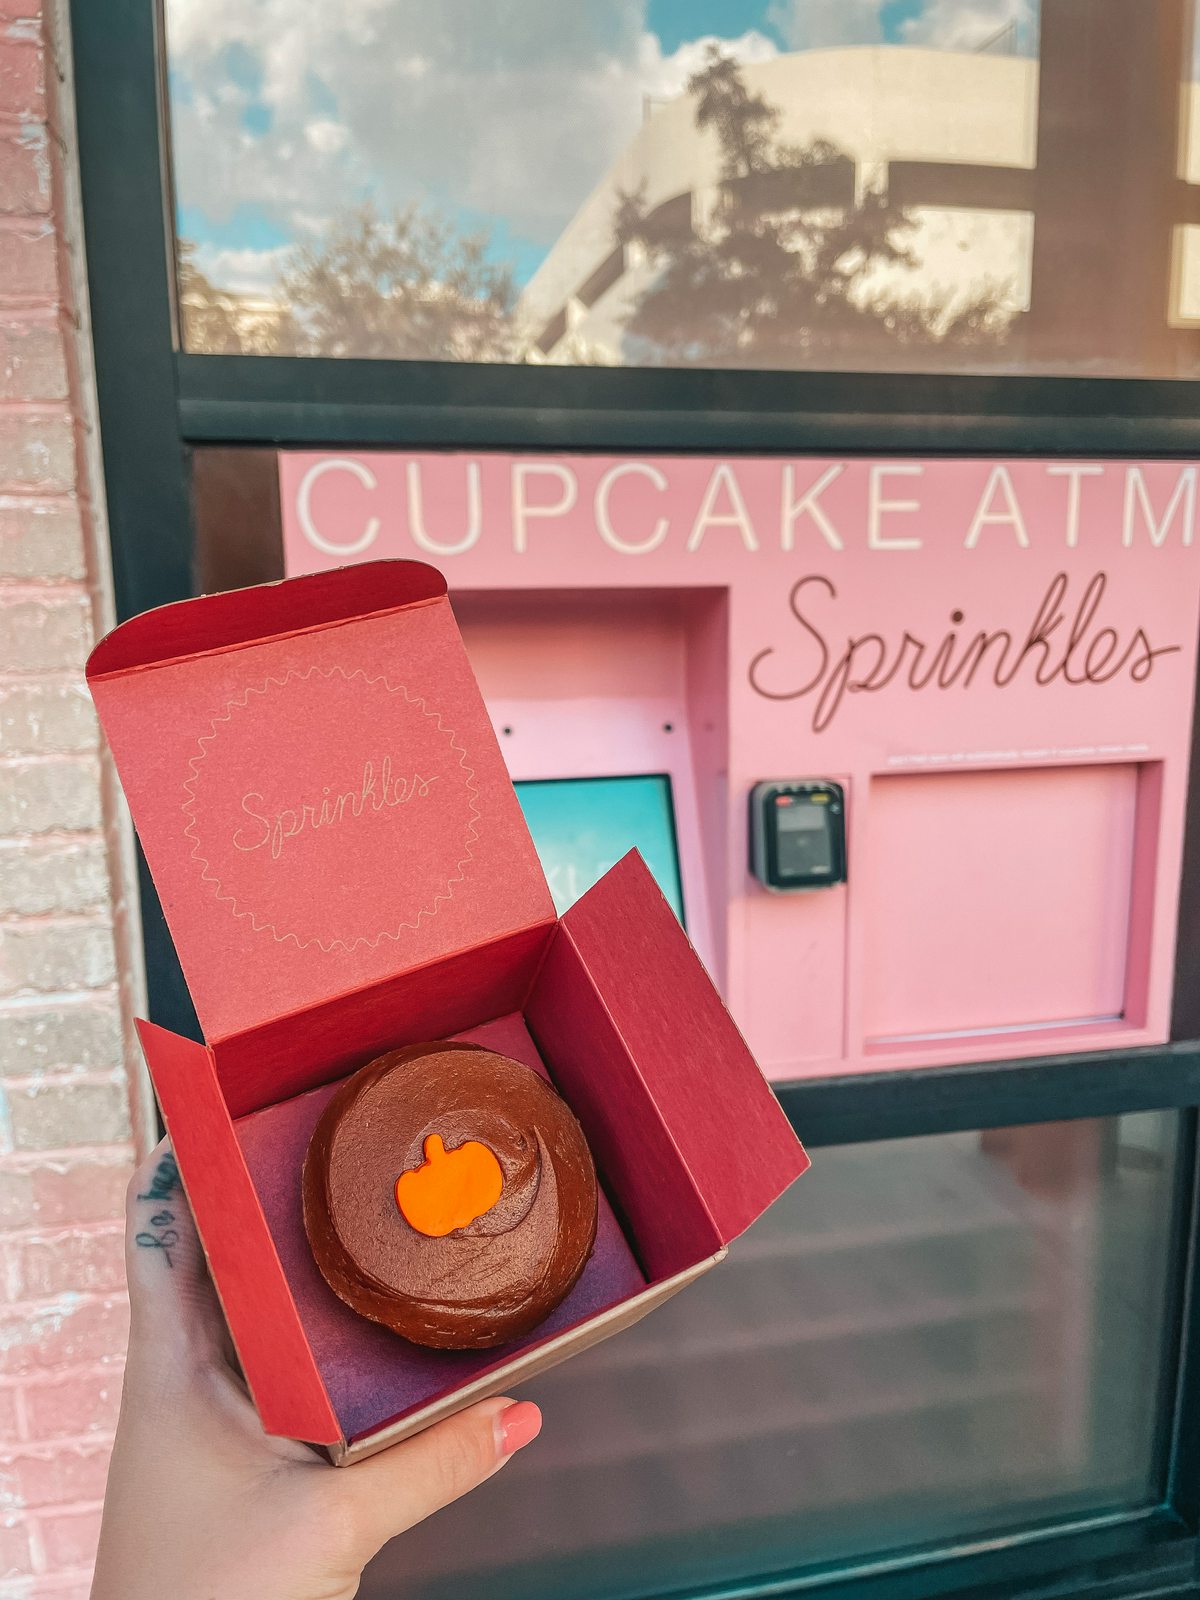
point(583, 826)
point(880, 184)
point(927, 1339)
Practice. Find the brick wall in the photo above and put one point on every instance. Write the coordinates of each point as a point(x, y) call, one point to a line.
point(67, 936)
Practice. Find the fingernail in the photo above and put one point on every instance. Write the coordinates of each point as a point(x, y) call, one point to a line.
point(518, 1425)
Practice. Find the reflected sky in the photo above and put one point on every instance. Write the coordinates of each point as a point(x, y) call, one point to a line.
point(502, 115)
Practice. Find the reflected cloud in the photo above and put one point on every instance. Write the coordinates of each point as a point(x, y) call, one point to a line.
point(508, 140)
point(828, 24)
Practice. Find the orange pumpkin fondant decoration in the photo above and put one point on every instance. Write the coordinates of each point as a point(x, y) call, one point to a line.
point(450, 1189)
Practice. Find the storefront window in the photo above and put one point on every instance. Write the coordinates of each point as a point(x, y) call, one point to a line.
point(928, 1339)
point(884, 185)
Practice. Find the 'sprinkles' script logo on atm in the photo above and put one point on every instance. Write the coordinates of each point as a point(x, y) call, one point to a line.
point(375, 835)
point(1069, 640)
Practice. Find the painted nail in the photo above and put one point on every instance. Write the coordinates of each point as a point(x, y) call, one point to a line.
point(518, 1425)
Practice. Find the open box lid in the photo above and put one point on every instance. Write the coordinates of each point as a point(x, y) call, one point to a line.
point(317, 787)
point(671, 1027)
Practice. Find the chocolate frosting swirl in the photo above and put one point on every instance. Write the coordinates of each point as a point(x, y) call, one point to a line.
point(481, 1285)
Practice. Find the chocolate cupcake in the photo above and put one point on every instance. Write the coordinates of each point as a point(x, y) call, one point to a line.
point(449, 1194)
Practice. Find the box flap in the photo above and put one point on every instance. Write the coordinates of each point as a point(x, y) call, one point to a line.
point(728, 1126)
point(317, 787)
point(263, 1321)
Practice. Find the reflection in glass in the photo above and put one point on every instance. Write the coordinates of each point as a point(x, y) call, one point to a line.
point(926, 1339)
point(898, 184)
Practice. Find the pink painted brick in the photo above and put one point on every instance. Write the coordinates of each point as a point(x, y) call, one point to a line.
point(28, 262)
point(46, 718)
point(10, 1430)
point(51, 956)
point(65, 1192)
point(16, 1557)
point(70, 1537)
point(39, 796)
point(60, 1360)
point(39, 878)
point(33, 358)
point(22, 73)
point(74, 1406)
point(68, 1261)
point(22, 1332)
point(17, 1203)
point(90, 1190)
point(97, 1331)
point(62, 1115)
point(25, 170)
point(92, 1331)
point(62, 1475)
point(40, 634)
point(41, 539)
point(37, 450)
point(80, 1037)
point(70, 1334)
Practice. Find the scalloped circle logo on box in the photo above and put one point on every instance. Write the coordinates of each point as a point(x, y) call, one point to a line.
point(343, 855)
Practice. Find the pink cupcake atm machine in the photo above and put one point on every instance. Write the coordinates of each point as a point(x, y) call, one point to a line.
point(905, 742)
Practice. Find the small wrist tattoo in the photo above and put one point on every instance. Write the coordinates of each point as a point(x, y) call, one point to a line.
point(165, 1240)
point(163, 1185)
point(165, 1181)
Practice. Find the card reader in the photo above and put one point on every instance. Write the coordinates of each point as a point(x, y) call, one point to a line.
point(798, 833)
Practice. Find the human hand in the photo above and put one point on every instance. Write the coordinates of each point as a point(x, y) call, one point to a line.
point(201, 1502)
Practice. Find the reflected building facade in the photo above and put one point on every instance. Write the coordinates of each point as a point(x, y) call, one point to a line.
point(1009, 172)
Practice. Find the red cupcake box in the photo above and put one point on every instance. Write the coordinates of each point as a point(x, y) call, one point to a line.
point(345, 868)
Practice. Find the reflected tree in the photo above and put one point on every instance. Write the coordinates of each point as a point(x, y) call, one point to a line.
point(790, 266)
point(784, 263)
point(220, 322)
point(410, 287)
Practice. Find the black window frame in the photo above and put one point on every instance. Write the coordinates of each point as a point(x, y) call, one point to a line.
point(157, 404)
